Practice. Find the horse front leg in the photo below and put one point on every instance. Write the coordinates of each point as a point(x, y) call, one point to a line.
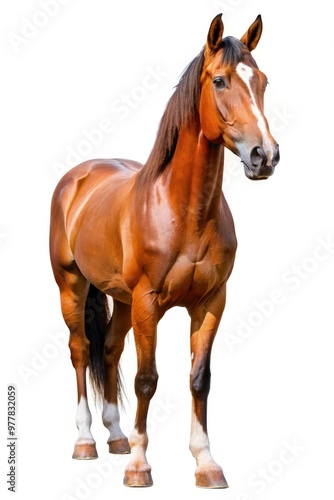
point(204, 324)
point(144, 322)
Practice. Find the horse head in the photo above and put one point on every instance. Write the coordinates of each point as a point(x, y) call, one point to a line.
point(232, 99)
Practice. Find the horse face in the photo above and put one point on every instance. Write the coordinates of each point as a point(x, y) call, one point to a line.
point(232, 96)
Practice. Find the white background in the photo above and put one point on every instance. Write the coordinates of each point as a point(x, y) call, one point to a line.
point(272, 377)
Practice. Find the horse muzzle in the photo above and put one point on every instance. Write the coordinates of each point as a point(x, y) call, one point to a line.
point(261, 165)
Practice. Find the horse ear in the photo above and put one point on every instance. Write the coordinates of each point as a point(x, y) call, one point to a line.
point(215, 34)
point(253, 35)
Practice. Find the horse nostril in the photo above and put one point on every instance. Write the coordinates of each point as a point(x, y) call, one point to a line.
point(258, 157)
point(276, 156)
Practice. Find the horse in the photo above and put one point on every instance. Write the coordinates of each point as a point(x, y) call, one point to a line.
point(155, 236)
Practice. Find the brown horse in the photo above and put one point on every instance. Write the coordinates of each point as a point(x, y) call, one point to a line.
point(157, 236)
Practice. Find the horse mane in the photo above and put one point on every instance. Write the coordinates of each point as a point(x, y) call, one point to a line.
point(183, 107)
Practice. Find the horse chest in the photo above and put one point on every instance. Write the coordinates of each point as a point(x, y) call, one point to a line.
point(189, 282)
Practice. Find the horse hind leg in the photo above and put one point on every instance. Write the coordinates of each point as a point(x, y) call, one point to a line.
point(119, 326)
point(73, 292)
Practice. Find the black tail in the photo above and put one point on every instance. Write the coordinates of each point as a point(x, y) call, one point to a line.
point(97, 317)
point(97, 320)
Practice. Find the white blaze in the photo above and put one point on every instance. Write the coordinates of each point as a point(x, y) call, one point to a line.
point(246, 74)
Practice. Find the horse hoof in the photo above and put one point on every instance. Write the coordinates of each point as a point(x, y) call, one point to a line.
point(119, 446)
point(211, 479)
point(85, 451)
point(138, 479)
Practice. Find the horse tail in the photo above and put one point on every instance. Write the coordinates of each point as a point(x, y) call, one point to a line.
point(97, 323)
point(97, 318)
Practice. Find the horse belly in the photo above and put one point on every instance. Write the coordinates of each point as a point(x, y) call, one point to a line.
point(103, 270)
point(100, 260)
point(116, 288)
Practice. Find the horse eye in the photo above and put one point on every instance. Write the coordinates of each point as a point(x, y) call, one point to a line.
point(219, 83)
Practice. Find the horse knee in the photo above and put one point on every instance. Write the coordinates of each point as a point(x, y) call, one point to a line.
point(200, 381)
point(79, 348)
point(146, 384)
point(112, 354)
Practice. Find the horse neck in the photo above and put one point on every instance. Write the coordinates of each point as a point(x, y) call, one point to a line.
point(195, 176)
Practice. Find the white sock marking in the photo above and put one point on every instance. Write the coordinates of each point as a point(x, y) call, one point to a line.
point(199, 443)
point(110, 417)
point(84, 422)
point(138, 443)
